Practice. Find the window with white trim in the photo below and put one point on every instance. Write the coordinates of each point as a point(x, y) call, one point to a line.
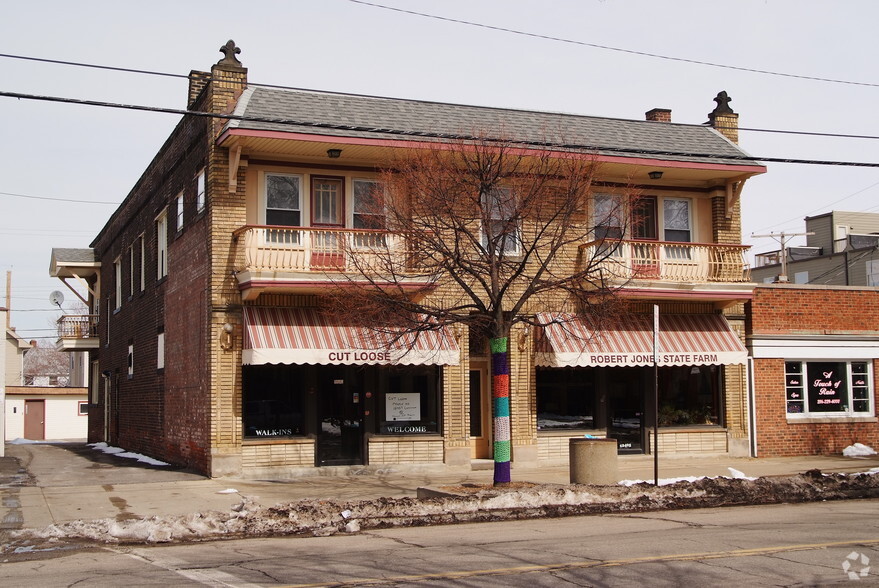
point(117, 275)
point(283, 207)
point(828, 388)
point(607, 223)
point(132, 273)
point(130, 360)
point(142, 262)
point(501, 228)
point(199, 191)
point(369, 212)
point(162, 245)
point(676, 220)
point(179, 206)
point(160, 351)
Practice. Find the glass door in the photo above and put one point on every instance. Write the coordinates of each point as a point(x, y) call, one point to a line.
point(327, 217)
point(340, 417)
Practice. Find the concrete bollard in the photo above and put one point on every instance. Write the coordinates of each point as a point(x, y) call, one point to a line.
point(593, 461)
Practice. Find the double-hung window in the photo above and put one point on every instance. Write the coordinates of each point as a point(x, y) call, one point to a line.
point(369, 212)
point(179, 208)
point(199, 191)
point(677, 227)
point(828, 388)
point(607, 215)
point(117, 276)
point(162, 245)
point(501, 230)
point(283, 207)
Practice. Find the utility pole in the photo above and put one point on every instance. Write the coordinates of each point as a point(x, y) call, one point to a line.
point(8, 297)
point(782, 239)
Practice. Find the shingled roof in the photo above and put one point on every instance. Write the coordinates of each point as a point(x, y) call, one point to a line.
point(368, 117)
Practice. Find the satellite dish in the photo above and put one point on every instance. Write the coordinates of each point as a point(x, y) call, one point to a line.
point(56, 298)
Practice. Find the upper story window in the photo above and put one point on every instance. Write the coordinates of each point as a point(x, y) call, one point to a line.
point(199, 191)
point(501, 228)
point(179, 209)
point(676, 220)
point(142, 262)
point(283, 206)
point(607, 222)
point(644, 219)
point(327, 202)
point(162, 245)
point(369, 210)
point(828, 388)
point(117, 276)
point(132, 270)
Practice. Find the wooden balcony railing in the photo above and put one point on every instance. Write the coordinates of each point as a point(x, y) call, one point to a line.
point(82, 326)
point(305, 249)
point(668, 261)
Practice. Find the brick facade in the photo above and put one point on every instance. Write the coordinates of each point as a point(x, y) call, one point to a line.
point(816, 314)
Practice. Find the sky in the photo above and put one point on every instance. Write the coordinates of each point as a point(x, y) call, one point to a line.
point(64, 167)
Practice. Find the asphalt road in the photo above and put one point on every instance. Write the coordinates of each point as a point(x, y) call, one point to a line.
point(779, 545)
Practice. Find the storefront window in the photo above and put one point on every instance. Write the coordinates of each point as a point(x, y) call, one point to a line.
point(409, 402)
point(565, 400)
point(828, 388)
point(272, 401)
point(689, 395)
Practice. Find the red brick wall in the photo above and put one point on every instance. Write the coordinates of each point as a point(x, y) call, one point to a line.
point(160, 413)
point(804, 311)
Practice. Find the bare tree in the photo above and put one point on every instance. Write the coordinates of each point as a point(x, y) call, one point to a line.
point(486, 234)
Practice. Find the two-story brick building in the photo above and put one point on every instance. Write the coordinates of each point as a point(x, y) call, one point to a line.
point(210, 348)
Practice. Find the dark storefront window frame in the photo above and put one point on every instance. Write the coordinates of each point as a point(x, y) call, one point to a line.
point(428, 385)
point(562, 415)
point(293, 399)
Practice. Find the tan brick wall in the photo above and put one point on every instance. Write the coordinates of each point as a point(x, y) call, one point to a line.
point(278, 455)
point(408, 451)
point(693, 442)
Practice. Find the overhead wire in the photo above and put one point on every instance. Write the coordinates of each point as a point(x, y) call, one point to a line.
point(609, 48)
point(433, 135)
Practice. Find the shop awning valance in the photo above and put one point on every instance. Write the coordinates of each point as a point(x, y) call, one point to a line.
point(684, 339)
point(277, 335)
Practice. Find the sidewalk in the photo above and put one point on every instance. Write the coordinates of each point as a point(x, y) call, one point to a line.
point(42, 484)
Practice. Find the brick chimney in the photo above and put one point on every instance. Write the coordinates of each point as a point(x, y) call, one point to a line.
point(198, 80)
point(658, 115)
point(723, 118)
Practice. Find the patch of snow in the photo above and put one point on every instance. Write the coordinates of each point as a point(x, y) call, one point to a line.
point(346, 514)
point(228, 491)
point(119, 452)
point(21, 441)
point(737, 475)
point(858, 450)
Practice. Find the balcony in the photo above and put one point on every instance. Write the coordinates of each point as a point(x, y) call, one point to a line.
point(305, 260)
point(648, 268)
point(78, 332)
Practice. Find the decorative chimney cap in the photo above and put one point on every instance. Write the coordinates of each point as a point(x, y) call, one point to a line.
point(722, 107)
point(230, 50)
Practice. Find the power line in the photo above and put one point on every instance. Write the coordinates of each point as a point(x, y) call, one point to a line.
point(58, 199)
point(608, 48)
point(433, 135)
point(301, 89)
point(823, 207)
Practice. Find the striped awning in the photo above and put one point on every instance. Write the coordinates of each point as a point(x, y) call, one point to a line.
point(684, 339)
point(277, 335)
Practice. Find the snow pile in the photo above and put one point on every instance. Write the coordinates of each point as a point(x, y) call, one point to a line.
point(734, 474)
point(119, 452)
point(21, 441)
point(858, 450)
point(478, 503)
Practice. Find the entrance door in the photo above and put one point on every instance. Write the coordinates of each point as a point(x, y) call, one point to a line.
point(327, 212)
point(35, 420)
point(480, 415)
point(625, 410)
point(340, 418)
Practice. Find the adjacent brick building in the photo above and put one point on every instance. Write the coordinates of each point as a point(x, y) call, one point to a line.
point(210, 347)
point(815, 352)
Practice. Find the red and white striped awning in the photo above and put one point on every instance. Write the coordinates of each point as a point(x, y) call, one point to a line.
point(274, 335)
point(684, 339)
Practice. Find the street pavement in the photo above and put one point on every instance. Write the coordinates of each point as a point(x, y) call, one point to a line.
point(46, 483)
